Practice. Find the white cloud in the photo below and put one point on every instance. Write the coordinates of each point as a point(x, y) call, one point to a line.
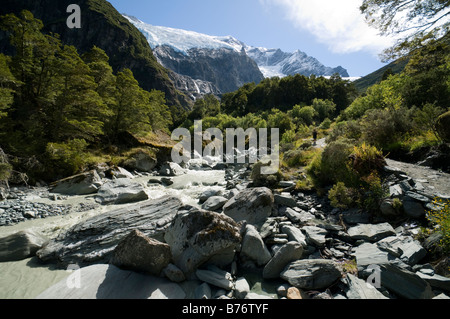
point(337, 23)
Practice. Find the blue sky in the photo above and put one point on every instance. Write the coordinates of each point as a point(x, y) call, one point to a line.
point(331, 31)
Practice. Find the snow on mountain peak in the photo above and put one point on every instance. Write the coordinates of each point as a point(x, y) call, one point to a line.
point(182, 40)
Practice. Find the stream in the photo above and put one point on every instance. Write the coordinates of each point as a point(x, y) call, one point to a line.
point(27, 278)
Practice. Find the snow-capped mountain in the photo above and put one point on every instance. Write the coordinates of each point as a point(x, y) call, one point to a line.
point(274, 62)
point(220, 64)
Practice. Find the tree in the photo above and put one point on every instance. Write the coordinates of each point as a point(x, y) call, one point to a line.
point(416, 22)
point(131, 112)
point(7, 83)
point(324, 109)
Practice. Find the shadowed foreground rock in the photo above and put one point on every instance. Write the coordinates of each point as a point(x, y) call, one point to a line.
point(110, 282)
point(94, 240)
point(197, 236)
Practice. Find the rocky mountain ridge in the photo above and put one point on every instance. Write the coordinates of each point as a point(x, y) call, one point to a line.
point(223, 61)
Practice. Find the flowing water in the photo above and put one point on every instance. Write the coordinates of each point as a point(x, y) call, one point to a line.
point(28, 278)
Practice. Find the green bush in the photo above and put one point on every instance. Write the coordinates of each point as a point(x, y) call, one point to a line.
point(443, 127)
point(441, 219)
point(67, 158)
point(5, 172)
point(341, 196)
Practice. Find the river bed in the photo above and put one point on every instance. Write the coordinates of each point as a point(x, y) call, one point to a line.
point(27, 278)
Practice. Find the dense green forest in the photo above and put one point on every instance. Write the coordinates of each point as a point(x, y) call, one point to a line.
point(59, 109)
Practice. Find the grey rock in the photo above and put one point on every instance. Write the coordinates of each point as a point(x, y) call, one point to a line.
point(413, 208)
point(242, 288)
point(214, 203)
point(369, 254)
point(199, 236)
point(253, 205)
point(21, 245)
point(311, 273)
point(356, 216)
point(285, 199)
point(370, 232)
point(406, 248)
point(286, 254)
point(387, 208)
point(209, 193)
point(442, 296)
point(121, 191)
point(171, 169)
point(109, 282)
point(81, 184)
point(94, 239)
point(221, 279)
point(253, 295)
point(395, 191)
point(297, 216)
point(120, 172)
point(294, 234)
point(139, 253)
point(253, 247)
point(404, 283)
point(360, 289)
point(203, 291)
point(174, 273)
point(436, 281)
point(315, 235)
point(141, 161)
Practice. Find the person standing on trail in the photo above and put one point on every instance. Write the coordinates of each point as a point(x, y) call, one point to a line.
point(314, 136)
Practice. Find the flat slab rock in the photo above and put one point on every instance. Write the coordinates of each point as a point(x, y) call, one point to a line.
point(94, 240)
point(109, 282)
point(369, 232)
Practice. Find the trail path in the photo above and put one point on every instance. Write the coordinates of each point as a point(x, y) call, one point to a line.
point(431, 179)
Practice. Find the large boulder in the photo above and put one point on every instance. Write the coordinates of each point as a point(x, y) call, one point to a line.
point(311, 273)
point(140, 253)
point(121, 191)
point(289, 252)
point(81, 184)
point(253, 205)
point(171, 169)
point(254, 248)
point(111, 282)
point(404, 283)
point(141, 161)
point(21, 245)
point(94, 240)
point(369, 232)
point(197, 237)
point(214, 203)
point(359, 289)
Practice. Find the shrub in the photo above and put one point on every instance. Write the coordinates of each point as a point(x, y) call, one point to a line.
point(340, 196)
point(5, 172)
point(441, 218)
point(67, 158)
point(366, 159)
point(443, 127)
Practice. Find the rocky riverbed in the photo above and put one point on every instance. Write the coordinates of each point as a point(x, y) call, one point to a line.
point(205, 231)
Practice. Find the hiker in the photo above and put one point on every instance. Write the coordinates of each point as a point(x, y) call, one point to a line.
point(315, 136)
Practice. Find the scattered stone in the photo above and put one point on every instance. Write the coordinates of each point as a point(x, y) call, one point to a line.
point(406, 248)
point(360, 289)
point(171, 169)
point(221, 279)
point(174, 273)
point(315, 235)
point(242, 288)
point(253, 205)
point(404, 283)
point(294, 293)
point(356, 216)
point(199, 236)
point(139, 253)
point(209, 193)
point(285, 199)
point(120, 191)
point(120, 172)
point(369, 232)
point(294, 234)
point(369, 254)
point(436, 281)
point(253, 246)
point(203, 291)
point(311, 273)
point(252, 295)
point(81, 184)
point(21, 245)
point(214, 203)
point(286, 254)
